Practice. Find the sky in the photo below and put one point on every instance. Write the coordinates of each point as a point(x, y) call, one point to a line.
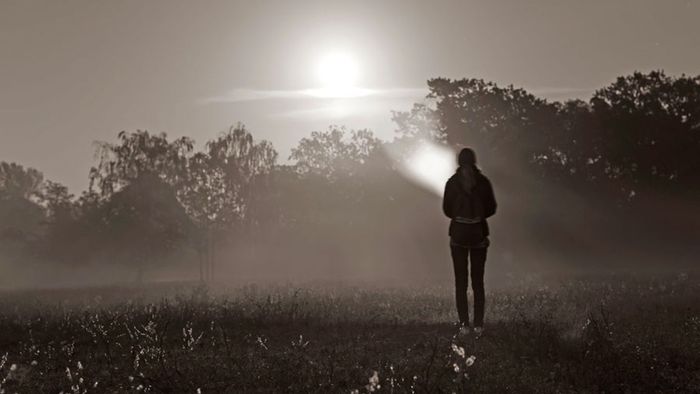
point(73, 72)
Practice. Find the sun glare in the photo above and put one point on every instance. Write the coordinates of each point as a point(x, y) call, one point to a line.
point(338, 74)
point(427, 164)
point(338, 70)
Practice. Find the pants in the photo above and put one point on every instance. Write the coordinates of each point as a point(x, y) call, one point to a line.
point(460, 260)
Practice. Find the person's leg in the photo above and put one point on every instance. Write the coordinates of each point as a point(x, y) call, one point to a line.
point(478, 263)
point(460, 263)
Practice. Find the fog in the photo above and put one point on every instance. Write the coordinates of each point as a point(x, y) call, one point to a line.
point(403, 241)
point(579, 189)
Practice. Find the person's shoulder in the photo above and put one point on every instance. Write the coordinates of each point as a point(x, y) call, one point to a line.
point(483, 179)
point(451, 184)
point(480, 176)
point(451, 179)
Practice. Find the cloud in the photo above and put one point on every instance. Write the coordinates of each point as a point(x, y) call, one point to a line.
point(245, 95)
point(240, 95)
point(248, 95)
point(379, 104)
point(329, 111)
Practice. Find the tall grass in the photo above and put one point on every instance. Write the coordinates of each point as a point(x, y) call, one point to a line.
point(608, 334)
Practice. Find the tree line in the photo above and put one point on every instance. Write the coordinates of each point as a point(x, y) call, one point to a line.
point(632, 151)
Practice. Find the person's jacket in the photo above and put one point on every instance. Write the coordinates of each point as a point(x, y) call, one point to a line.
point(479, 204)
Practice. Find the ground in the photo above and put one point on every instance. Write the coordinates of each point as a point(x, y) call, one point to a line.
point(583, 334)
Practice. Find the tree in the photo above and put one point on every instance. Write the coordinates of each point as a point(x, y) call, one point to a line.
point(18, 182)
point(57, 200)
point(647, 136)
point(637, 136)
point(239, 159)
point(420, 122)
point(61, 222)
point(335, 152)
point(142, 223)
point(20, 215)
point(139, 218)
point(217, 188)
point(137, 154)
point(507, 124)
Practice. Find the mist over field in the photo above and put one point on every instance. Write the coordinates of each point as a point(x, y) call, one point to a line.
point(349, 207)
point(353, 208)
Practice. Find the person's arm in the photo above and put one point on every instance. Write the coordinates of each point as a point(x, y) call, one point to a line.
point(490, 200)
point(447, 200)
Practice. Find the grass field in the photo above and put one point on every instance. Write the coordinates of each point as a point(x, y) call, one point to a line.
point(592, 334)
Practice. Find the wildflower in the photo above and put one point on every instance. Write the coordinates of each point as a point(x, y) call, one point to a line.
point(13, 367)
point(301, 342)
point(456, 367)
point(80, 365)
point(470, 360)
point(373, 382)
point(458, 350)
point(34, 363)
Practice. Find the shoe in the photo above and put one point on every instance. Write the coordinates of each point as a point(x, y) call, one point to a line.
point(478, 330)
point(464, 330)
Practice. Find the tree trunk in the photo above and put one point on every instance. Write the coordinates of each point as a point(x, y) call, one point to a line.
point(210, 264)
point(200, 254)
point(211, 255)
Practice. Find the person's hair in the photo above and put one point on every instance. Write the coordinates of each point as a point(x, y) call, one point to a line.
point(466, 157)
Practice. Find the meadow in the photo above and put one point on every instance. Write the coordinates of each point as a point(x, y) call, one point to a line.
point(608, 333)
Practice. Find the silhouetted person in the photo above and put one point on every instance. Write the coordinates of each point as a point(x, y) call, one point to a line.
point(468, 201)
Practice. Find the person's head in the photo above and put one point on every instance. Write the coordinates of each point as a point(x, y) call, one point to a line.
point(466, 158)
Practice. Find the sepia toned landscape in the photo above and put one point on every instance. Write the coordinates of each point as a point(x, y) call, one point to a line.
point(349, 197)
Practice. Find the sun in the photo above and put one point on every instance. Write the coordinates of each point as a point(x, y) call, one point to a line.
point(338, 70)
point(338, 74)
